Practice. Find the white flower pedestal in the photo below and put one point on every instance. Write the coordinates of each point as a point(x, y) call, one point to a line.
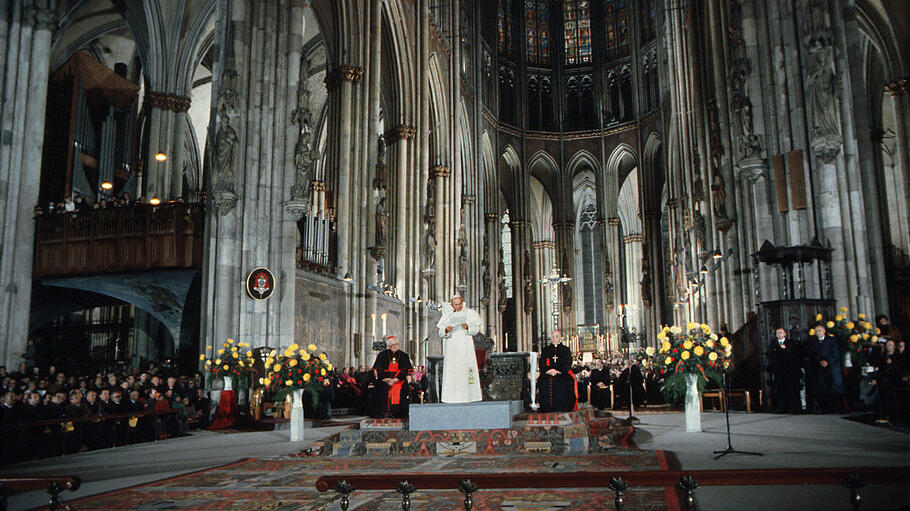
point(693, 404)
point(297, 416)
point(228, 383)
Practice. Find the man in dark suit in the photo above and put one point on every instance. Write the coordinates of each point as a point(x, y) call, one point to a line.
point(600, 386)
point(824, 373)
point(392, 366)
point(784, 366)
point(556, 384)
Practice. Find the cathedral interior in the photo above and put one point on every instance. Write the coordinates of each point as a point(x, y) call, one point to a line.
point(603, 167)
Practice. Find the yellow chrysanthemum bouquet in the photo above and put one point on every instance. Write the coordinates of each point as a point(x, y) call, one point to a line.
point(854, 336)
point(694, 349)
point(297, 368)
point(232, 360)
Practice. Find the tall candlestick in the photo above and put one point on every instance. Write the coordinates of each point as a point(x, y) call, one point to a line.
point(384, 316)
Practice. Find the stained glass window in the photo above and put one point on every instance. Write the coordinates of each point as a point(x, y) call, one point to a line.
point(616, 20)
point(505, 27)
point(577, 22)
point(537, 31)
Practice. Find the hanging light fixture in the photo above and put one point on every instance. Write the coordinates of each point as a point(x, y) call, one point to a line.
point(704, 270)
point(106, 185)
point(348, 277)
point(717, 254)
point(155, 201)
point(160, 156)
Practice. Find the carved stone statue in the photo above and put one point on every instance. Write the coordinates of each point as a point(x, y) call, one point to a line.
point(382, 222)
point(429, 249)
point(463, 265)
point(719, 195)
point(226, 144)
point(700, 229)
point(528, 284)
point(608, 289)
point(503, 298)
point(645, 278)
point(485, 279)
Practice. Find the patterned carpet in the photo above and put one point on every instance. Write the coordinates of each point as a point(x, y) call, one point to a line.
point(288, 483)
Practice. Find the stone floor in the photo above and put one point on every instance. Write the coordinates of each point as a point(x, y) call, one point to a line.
point(803, 441)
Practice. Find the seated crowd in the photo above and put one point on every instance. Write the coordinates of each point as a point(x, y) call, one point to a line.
point(32, 394)
point(354, 386)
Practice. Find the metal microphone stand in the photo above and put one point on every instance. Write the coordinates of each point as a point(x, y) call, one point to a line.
point(729, 449)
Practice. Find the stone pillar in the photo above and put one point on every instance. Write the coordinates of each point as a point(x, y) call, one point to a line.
point(522, 284)
point(544, 255)
point(165, 124)
point(252, 173)
point(633, 253)
point(346, 76)
point(403, 135)
point(29, 26)
point(438, 175)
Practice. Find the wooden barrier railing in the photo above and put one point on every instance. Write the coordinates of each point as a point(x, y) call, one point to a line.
point(19, 431)
point(688, 482)
point(138, 237)
point(52, 485)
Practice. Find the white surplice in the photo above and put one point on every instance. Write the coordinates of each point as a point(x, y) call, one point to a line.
point(460, 378)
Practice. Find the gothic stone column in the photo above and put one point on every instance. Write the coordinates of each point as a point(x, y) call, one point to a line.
point(24, 69)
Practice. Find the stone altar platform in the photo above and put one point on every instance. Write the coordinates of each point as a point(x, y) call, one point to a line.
point(477, 415)
point(568, 433)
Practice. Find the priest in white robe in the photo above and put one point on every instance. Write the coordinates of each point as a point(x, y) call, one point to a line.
point(460, 377)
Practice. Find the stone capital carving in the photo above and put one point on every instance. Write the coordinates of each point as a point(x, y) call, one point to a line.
point(898, 87)
point(439, 171)
point(167, 101)
point(297, 207)
point(614, 220)
point(343, 73)
point(752, 169)
point(400, 132)
point(633, 238)
point(318, 186)
point(491, 217)
point(543, 244)
point(224, 201)
point(827, 147)
point(42, 19)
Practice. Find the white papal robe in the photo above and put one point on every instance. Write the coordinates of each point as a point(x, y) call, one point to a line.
point(460, 378)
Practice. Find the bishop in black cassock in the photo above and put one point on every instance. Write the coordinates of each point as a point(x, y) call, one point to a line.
point(556, 383)
point(392, 366)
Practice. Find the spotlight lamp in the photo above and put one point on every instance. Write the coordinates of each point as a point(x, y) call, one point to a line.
point(160, 156)
point(155, 201)
point(348, 277)
point(106, 185)
point(704, 270)
point(717, 254)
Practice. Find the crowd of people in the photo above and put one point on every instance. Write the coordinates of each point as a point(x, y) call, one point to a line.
point(71, 204)
point(812, 374)
point(31, 394)
point(355, 386)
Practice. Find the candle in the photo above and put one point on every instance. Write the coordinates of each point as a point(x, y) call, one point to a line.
point(384, 316)
point(373, 330)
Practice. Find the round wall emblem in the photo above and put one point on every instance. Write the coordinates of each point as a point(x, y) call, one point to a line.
point(260, 283)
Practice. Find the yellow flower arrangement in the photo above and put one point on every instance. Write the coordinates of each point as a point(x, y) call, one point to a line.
point(694, 350)
point(699, 351)
point(668, 360)
point(684, 355)
point(295, 368)
point(712, 356)
point(229, 363)
point(829, 324)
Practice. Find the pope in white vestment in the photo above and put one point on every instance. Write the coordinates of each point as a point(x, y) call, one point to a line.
point(460, 378)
